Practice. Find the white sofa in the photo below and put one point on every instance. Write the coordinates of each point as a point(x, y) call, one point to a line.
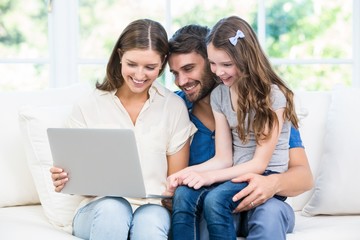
point(30, 207)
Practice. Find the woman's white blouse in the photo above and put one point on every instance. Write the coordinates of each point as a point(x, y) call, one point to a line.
point(162, 128)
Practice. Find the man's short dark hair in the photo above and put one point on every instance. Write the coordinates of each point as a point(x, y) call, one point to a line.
point(190, 38)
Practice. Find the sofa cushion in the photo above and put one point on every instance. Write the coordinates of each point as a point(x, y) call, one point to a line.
point(312, 130)
point(16, 184)
point(29, 222)
point(34, 121)
point(336, 191)
point(325, 227)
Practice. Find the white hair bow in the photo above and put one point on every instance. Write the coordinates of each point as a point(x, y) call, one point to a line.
point(239, 34)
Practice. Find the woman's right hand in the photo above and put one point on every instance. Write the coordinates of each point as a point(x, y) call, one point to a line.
point(59, 178)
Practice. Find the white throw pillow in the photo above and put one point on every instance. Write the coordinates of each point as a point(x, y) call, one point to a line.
point(16, 183)
point(312, 131)
point(59, 208)
point(336, 191)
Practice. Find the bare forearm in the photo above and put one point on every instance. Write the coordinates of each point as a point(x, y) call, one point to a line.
point(252, 166)
point(297, 179)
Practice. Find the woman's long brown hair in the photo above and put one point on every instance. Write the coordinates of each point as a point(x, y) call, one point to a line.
point(139, 34)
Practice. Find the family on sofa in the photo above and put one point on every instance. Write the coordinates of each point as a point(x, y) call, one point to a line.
point(327, 124)
point(129, 95)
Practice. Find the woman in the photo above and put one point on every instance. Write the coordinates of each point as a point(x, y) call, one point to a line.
point(129, 97)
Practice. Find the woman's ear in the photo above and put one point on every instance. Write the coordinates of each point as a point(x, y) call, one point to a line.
point(120, 53)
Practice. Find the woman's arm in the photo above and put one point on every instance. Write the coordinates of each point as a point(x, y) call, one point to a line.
point(179, 160)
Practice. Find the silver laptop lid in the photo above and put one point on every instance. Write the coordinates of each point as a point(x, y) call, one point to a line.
point(99, 162)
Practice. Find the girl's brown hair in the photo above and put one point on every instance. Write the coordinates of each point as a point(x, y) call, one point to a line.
point(257, 76)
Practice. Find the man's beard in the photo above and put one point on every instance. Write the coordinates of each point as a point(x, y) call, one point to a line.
point(207, 85)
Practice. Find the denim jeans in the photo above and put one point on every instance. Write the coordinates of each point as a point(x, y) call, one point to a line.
point(189, 205)
point(112, 218)
point(268, 221)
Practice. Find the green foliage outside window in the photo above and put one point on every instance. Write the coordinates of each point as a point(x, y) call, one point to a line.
point(297, 31)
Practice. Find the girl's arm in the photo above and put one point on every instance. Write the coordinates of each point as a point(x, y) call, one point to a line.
point(260, 160)
point(223, 147)
point(222, 158)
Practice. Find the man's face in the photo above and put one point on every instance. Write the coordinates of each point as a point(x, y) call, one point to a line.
point(192, 75)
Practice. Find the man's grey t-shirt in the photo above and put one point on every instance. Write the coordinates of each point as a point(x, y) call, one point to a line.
point(242, 152)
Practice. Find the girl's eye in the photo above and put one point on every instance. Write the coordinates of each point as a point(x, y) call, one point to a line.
point(150, 68)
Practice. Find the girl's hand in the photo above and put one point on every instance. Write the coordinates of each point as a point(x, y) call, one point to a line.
point(59, 178)
point(174, 180)
point(197, 179)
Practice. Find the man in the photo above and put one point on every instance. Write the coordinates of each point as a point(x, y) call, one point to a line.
point(261, 215)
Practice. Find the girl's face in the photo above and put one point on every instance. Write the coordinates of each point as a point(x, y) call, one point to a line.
point(140, 68)
point(222, 65)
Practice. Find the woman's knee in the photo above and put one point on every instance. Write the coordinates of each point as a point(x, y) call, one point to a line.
point(113, 206)
point(150, 221)
point(105, 218)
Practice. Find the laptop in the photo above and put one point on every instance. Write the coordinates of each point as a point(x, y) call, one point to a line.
point(99, 162)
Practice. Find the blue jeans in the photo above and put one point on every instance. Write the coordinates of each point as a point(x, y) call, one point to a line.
point(216, 204)
point(271, 220)
point(189, 205)
point(112, 218)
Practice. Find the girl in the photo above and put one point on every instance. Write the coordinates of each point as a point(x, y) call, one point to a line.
point(253, 112)
point(129, 97)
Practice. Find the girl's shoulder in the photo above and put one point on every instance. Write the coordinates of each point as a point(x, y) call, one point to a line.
point(278, 97)
point(221, 89)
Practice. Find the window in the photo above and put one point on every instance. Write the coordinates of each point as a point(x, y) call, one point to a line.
point(312, 44)
point(24, 45)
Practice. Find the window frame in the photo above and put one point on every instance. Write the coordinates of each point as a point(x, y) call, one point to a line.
point(63, 35)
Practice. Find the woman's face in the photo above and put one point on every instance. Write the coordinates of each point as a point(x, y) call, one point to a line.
point(140, 68)
point(222, 65)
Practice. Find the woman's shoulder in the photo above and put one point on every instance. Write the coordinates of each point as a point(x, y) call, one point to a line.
point(167, 94)
point(93, 96)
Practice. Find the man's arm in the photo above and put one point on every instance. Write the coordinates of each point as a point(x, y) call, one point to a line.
point(296, 180)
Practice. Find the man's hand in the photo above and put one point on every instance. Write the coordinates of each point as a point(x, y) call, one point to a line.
point(259, 190)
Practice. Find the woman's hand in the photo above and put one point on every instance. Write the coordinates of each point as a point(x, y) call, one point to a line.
point(59, 178)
